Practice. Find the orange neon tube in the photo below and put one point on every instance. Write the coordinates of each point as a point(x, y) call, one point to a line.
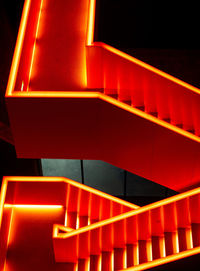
point(91, 23)
point(32, 206)
point(89, 41)
point(57, 179)
point(18, 49)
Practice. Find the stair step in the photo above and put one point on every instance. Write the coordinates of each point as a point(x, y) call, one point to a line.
point(179, 126)
point(107, 261)
point(83, 264)
point(167, 120)
point(141, 236)
point(145, 251)
point(142, 108)
point(115, 96)
point(128, 102)
point(196, 234)
point(119, 258)
point(132, 255)
point(171, 243)
point(95, 263)
point(155, 114)
point(185, 239)
point(191, 131)
point(158, 247)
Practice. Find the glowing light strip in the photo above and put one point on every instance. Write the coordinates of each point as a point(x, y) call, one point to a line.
point(18, 49)
point(10, 227)
point(32, 206)
point(125, 258)
point(162, 247)
point(112, 101)
point(57, 94)
point(91, 22)
point(33, 179)
point(131, 213)
point(33, 52)
point(90, 34)
point(165, 260)
point(189, 238)
point(100, 263)
point(77, 222)
point(175, 240)
point(2, 198)
point(76, 184)
point(112, 260)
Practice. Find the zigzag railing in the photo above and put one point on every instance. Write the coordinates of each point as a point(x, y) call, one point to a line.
point(150, 236)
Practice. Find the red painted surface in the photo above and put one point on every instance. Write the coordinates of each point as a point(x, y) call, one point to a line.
point(30, 207)
point(59, 102)
point(70, 97)
point(57, 224)
point(142, 239)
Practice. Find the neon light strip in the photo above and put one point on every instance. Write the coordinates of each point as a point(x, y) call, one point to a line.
point(165, 260)
point(18, 49)
point(32, 206)
point(33, 179)
point(131, 213)
point(2, 198)
point(112, 101)
point(90, 34)
point(91, 22)
point(10, 227)
point(33, 52)
point(58, 94)
point(76, 184)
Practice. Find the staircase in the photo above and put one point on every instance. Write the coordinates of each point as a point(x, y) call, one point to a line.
point(86, 206)
point(145, 238)
point(71, 97)
point(170, 101)
point(143, 117)
point(30, 206)
point(140, 85)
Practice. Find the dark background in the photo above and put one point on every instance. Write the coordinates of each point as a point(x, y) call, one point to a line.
point(161, 33)
point(164, 34)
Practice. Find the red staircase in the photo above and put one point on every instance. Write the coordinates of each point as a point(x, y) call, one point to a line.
point(92, 230)
point(132, 115)
point(71, 97)
point(151, 236)
point(29, 208)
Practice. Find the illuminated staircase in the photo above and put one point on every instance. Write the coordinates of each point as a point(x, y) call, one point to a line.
point(29, 208)
point(151, 236)
point(71, 97)
point(74, 98)
point(62, 225)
